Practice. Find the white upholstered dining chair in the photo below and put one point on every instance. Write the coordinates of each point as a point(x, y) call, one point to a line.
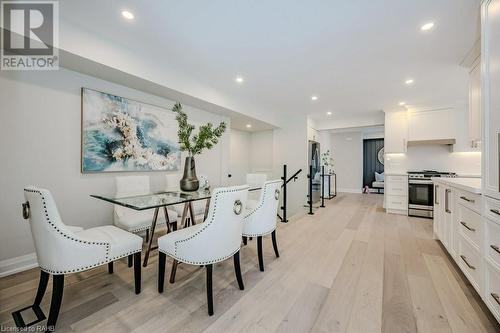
point(62, 249)
point(207, 243)
point(260, 220)
point(137, 221)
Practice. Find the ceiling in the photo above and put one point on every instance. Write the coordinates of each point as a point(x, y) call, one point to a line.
point(354, 55)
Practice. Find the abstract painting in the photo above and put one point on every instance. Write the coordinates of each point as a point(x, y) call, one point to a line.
point(120, 134)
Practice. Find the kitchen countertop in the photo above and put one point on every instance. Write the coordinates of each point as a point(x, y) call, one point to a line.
point(472, 185)
point(396, 174)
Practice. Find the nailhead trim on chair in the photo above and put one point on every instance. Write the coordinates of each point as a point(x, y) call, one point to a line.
point(200, 262)
point(75, 240)
point(206, 224)
point(260, 234)
point(261, 202)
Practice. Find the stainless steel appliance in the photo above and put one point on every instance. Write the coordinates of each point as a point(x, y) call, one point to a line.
point(421, 192)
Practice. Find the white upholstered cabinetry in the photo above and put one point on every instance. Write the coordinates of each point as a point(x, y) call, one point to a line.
point(396, 132)
point(396, 194)
point(490, 96)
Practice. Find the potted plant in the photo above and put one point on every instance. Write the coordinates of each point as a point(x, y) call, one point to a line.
point(206, 138)
point(327, 160)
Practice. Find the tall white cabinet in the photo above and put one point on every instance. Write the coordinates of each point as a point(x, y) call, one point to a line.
point(490, 60)
point(396, 132)
point(490, 102)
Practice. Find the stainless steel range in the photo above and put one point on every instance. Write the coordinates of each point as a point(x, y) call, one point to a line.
point(421, 192)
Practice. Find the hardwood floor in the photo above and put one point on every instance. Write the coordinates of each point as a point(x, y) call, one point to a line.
point(348, 268)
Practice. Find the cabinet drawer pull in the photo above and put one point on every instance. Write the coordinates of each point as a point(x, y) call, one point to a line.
point(467, 199)
point(467, 227)
point(464, 258)
point(496, 298)
point(496, 248)
point(495, 211)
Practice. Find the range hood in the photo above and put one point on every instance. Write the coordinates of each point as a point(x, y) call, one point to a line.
point(448, 142)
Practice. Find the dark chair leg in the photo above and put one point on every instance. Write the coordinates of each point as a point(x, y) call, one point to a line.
point(174, 226)
point(137, 272)
point(162, 258)
point(130, 260)
point(147, 237)
point(42, 287)
point(259, 251)
point(210, 299)
point(245, 240)
point(174, 270)
point(275, 244)
point(237, 270)
point(55, 303)
point(110, 267)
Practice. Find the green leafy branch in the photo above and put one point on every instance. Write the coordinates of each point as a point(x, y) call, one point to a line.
point(206, 138)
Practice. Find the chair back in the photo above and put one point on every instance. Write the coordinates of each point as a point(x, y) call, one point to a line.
point(256, 179)
point(128, 186)
point(220, 234)
point(51, 236)
point(262, 219)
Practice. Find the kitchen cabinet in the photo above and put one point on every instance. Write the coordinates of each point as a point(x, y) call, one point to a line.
point(396, 194)
point(428, 125)
point(448, 220)
point(443, 215)
point(475, 106)
point(438, 211)
point(396, 132)
point(490, 96)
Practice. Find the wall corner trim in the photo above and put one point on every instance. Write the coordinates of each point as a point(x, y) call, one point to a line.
point(18, 264)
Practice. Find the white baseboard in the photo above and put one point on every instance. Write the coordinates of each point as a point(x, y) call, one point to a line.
point(349, 190)
point(18, 264)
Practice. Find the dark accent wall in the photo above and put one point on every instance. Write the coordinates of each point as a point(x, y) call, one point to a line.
point(370, 160)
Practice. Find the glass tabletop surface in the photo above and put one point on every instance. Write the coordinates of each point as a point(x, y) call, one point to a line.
point(158, 199)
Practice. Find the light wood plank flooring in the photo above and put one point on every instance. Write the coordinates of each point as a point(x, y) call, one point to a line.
point(348, 268)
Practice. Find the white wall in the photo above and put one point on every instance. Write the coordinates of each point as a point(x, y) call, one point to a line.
point(435, 158)
point(290, 147)
point(239, 161)
point(40, 145)
point(261, 152)
point(347, 152)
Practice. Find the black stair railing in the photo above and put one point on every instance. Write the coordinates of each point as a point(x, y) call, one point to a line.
point(286, 180)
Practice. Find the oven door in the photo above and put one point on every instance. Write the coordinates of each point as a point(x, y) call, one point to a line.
point(420, 198)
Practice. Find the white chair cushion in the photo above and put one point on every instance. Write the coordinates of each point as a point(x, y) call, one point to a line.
point(167, 243)
point(74, 228)
point(135, 221)
point(214, 240)
point(251, 204)
point(260, 217)
point(122, 243)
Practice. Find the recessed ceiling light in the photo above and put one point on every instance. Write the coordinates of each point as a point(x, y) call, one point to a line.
point(402, 103)
point(249, 125)
point(409, 81)
point(314, 98)
point(128, 15)
point(239, 79)
point(329, 113)
point(427, 26)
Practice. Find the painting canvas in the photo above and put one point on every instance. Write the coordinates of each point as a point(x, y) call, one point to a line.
point(120, 134)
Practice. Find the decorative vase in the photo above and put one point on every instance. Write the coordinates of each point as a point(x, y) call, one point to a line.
point(189, 182)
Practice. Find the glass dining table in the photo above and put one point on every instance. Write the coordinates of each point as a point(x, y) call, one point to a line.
point(161, 200)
